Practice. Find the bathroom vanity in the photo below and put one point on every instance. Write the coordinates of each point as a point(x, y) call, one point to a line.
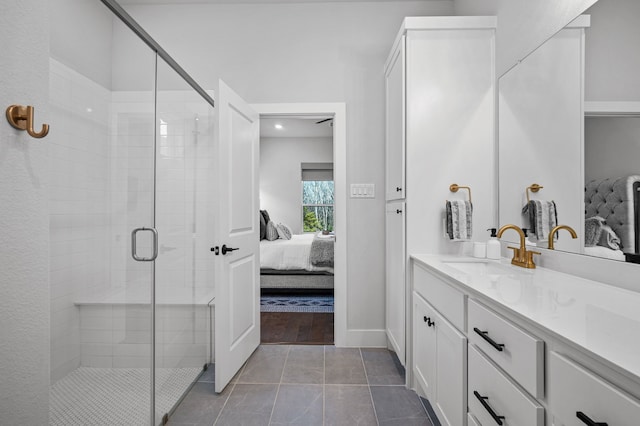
point(493, 343)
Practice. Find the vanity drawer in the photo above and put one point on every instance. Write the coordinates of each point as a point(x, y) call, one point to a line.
point(500, 395)
point(444, 298)
point(573, 389)
point(517, 352)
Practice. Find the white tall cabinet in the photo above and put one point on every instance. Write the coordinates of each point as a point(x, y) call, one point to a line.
point(440, 99)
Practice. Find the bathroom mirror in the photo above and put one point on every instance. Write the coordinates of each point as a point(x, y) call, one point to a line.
point(570, 113)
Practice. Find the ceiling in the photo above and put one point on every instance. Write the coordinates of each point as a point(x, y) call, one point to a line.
point(295, 127)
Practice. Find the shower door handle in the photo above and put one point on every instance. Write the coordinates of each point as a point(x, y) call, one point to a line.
point(134, 249)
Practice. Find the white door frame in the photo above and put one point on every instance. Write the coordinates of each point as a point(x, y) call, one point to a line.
point(338, 112)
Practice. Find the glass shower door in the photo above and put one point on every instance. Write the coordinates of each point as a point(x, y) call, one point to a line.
point(102, 187)
point(184, 219)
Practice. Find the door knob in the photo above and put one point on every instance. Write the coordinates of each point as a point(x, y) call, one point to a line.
point(226, 249)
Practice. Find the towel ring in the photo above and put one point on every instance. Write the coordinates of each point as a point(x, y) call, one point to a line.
point(454, 188)
point(534, 188)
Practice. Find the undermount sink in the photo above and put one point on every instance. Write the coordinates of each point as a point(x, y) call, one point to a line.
point(480, 266)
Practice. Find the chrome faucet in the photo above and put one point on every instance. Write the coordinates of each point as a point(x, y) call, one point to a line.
point(558, 228)
point(521, 256)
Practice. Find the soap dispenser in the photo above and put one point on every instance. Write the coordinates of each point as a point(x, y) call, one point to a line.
point(493, 245)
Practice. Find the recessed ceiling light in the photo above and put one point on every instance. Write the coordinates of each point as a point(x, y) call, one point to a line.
point(278, 126)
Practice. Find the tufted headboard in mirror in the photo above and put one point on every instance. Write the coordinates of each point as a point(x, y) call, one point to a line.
point(618, 202)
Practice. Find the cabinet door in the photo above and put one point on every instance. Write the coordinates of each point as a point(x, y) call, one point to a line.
point(577, 397)
point(395, 125)
point(451, 373)
point(395, 279)
point(424, 346)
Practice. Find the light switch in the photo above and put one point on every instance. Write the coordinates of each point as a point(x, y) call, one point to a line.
point(363, 190)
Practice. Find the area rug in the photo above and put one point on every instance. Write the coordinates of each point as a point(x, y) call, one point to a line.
point(296, 304)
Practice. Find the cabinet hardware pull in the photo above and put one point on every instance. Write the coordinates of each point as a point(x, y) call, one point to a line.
point(398, 211)
point(398, 189)
point(586, 420)
point(428, 321)
point(498, 346)
point(487, 407)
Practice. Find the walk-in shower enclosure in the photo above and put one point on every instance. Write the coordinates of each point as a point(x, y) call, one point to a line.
point(131, 148)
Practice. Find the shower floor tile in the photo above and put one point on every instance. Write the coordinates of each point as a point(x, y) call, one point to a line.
point(115, 396)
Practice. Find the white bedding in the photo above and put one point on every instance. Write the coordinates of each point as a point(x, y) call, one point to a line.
point(604, 252)
point(289, 255)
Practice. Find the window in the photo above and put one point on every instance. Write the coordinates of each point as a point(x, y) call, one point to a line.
point(317, 197)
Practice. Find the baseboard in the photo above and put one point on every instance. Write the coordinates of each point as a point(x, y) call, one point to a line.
point(366, 338)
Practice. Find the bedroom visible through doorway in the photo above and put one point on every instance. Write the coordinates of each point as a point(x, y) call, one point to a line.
point(297, 229)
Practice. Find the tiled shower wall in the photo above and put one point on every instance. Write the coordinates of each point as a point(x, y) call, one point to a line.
point(102, 168)
point(79, 205)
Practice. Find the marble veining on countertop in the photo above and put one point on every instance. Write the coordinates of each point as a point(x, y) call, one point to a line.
point(600, 318)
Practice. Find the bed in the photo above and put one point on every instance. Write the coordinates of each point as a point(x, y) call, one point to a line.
point(305, 262)
point(617, 201)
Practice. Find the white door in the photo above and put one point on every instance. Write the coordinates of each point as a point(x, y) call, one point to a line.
point(237, 302)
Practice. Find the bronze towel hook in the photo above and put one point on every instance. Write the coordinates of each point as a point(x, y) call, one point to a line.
point(21, 118)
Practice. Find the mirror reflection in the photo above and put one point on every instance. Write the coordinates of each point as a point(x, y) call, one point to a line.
point(569, 121)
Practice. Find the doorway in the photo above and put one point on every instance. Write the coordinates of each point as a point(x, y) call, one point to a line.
point(304, 327)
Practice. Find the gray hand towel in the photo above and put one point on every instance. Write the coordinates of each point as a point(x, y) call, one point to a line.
point(459, 220)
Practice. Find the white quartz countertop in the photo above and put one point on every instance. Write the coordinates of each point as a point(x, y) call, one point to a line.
point(600, 318)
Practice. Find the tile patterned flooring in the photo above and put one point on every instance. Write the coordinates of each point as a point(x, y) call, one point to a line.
point(114, 396)
point(307, 385)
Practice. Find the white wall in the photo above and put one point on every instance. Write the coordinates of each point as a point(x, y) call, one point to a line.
point(523, 25)
point(307, 52)
point(280, 185)
point(612, 56)
point(540, 125)
point(87, 52)
point(450, 133)
point(24, 239)
point(611, 147)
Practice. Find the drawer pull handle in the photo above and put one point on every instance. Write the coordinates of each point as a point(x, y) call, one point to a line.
point(499, 346)
point(487, 407)
point(586, 420)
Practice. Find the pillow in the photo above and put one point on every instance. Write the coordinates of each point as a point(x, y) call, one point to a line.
point(609, 238)
point(265, 215)
point(263, 226)
point(597, 232)
point(284, 231)
point(272, 232)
